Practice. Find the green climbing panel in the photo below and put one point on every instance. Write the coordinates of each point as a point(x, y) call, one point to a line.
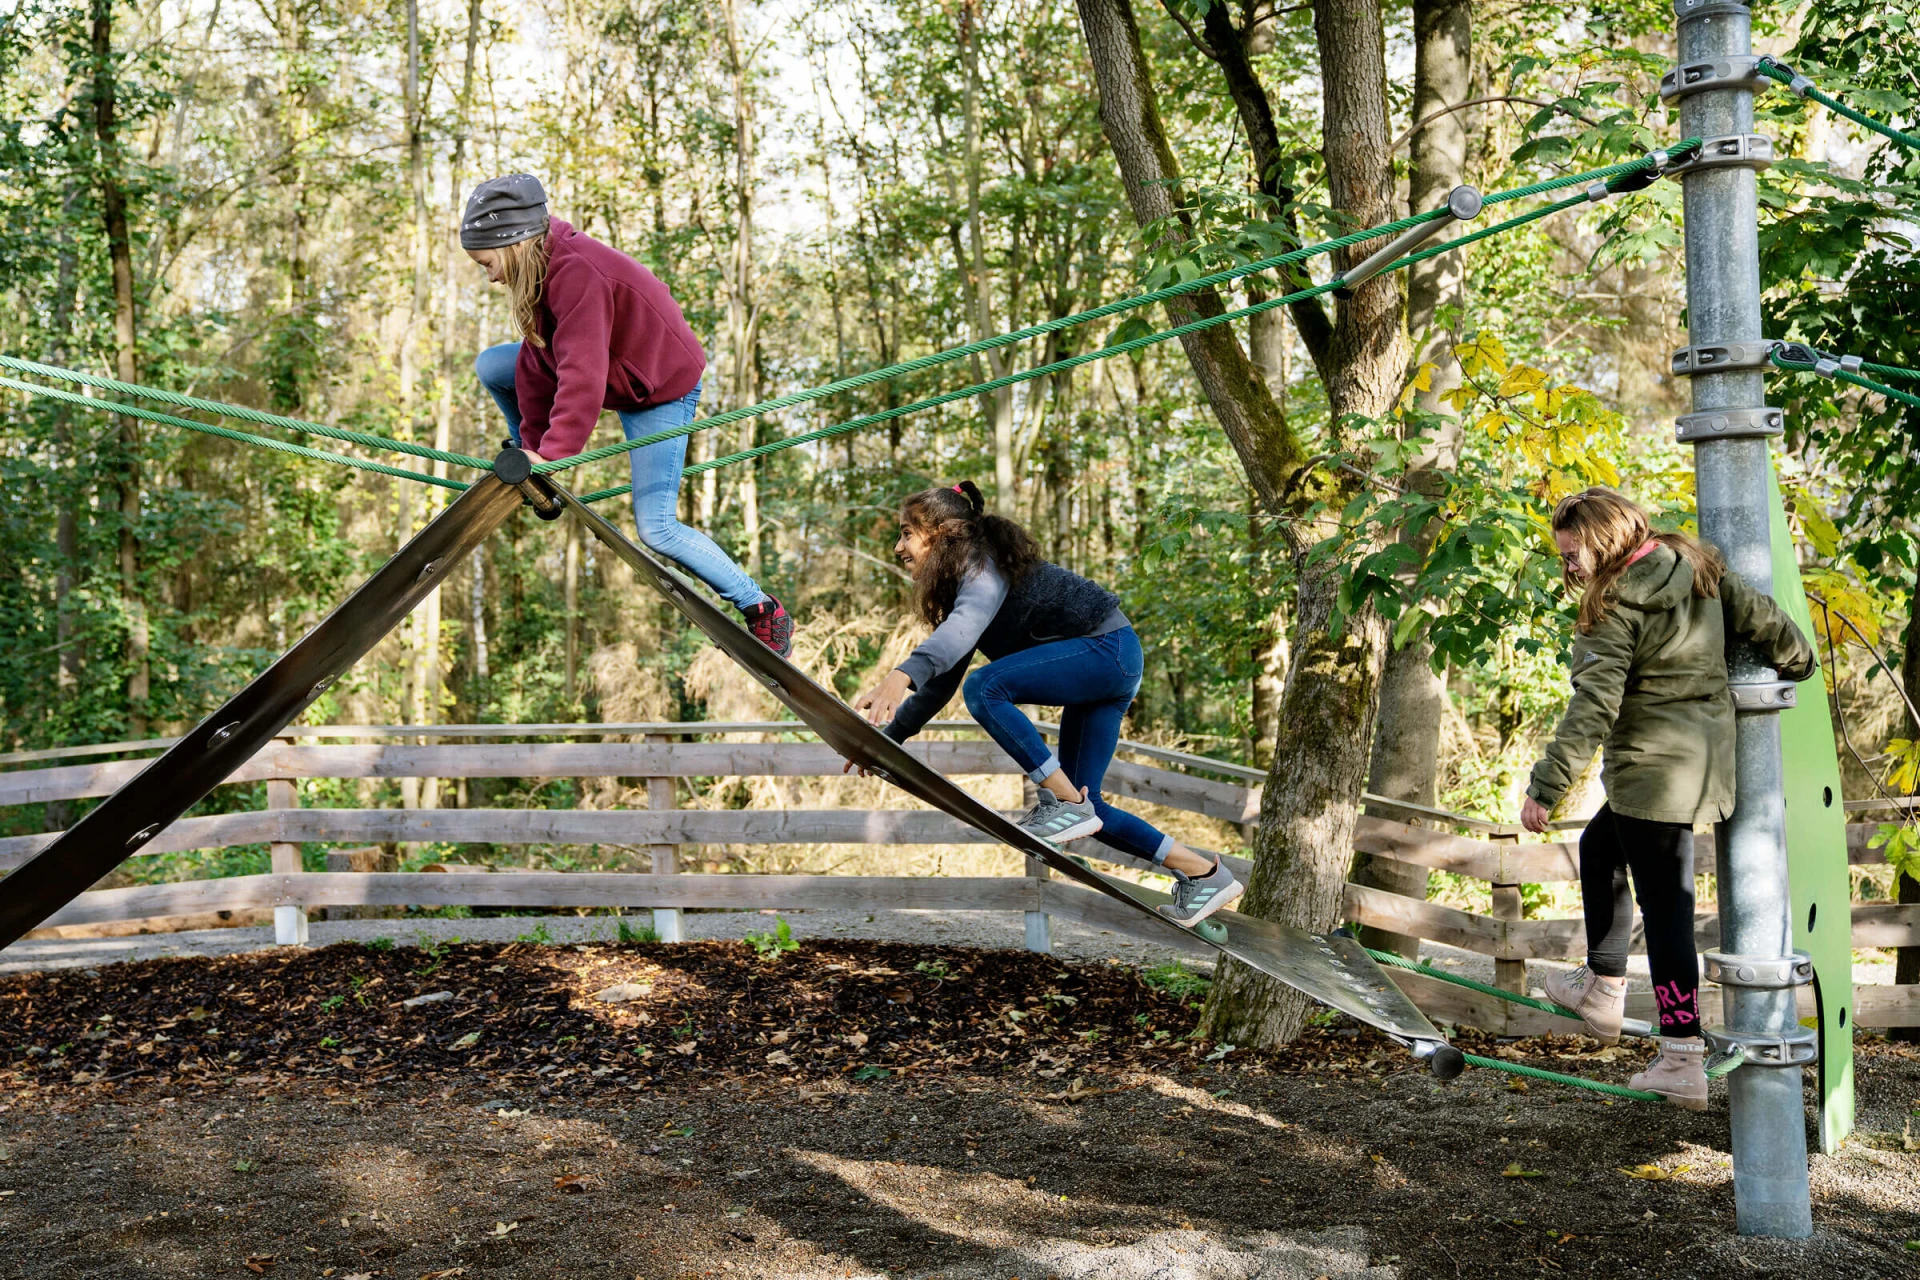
point(1817, 853)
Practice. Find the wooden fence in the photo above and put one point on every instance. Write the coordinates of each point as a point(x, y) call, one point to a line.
point(1408, 834)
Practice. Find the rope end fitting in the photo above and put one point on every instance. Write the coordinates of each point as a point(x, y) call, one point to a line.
point(514, 466)
point(1776, 70)
point(1463, 205)
point(1445, 1061)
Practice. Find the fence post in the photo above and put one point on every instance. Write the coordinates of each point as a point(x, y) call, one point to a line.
point(289, 922)
point(1508, 975)
point(1039, 923)
point(667, 925)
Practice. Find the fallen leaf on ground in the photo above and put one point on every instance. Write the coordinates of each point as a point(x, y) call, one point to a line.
point(1654, 1173)
point(621, 992)
point(572, 1184)
point(259, 1263)
point(1515, 1171)
point(501, 1229)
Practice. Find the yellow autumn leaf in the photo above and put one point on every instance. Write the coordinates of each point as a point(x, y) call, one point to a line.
point(1494, 424)
point(1515, 1170)
point(1654, 1173)
point(1522, 380)
point(1482, 353)
point(1459, 398)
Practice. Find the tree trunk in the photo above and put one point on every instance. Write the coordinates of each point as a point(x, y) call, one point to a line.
point(1406, 749)
point(996, 405)
point(1130, 117)
point(742, 328)
point(1906, 962)
point(1305, 838)
point(113, 206)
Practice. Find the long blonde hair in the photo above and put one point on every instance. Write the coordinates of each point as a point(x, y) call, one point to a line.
point(523, 269)
point(1609, 529)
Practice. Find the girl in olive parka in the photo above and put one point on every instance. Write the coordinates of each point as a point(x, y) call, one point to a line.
point(1650, 683)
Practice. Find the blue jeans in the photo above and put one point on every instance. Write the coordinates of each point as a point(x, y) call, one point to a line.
point(656, 479)
point(1092, 680)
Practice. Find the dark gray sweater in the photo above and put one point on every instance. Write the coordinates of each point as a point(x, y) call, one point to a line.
point(1049, 604)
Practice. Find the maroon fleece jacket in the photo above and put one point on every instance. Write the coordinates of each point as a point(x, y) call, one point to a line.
point(615, 340)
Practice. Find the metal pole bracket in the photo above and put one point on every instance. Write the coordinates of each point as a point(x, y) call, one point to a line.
point(1730, 151)
point(1720, 73)
point(1724, 357)
point(1730, 424)
point(1690, 10)
point(1766, 972)
point(1798, 1048)
point(1763, 695)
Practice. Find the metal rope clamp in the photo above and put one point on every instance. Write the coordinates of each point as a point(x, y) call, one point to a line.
point(1770, 973)
point(1724, 357)
point(1762, 695)
point(1689, 78)
point(1729, 151)
point(1797, 85)
point(1730, 424)
point(1798, 1048)
point(1823, 364)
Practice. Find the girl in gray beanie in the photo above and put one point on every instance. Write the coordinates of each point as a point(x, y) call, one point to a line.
point(599, 331)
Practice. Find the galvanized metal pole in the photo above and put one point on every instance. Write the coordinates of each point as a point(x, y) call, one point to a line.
point(1730, 428)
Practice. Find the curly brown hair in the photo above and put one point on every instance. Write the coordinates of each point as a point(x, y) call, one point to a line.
point(1610, 528)
point(961, 535)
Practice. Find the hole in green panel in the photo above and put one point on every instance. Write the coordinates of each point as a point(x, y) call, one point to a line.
point(1812, 913)
point(1826, 796)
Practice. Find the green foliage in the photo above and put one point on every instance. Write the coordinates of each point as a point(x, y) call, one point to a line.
point(630, 935)
point(536, 936)
point(769, 946)
point(1173, 978)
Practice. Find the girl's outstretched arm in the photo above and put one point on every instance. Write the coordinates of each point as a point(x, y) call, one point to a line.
point(1600, 665)
point(1755, 616)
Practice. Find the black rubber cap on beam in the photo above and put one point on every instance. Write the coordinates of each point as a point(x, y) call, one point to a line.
point(1446, 1062)
point(513, 466)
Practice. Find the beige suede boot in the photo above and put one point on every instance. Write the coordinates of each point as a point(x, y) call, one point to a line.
point(1600, 1002)
point(1679, 1074)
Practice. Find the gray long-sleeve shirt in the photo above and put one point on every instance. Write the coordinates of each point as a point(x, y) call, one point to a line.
point(980, 596)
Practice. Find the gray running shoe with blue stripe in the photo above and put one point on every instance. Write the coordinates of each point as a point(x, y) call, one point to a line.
point(1057, 821)
point(1196, 899)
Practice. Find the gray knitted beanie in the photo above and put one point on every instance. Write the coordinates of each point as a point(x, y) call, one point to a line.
point(504, 211)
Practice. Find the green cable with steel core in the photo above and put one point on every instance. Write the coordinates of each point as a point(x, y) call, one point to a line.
point(1112, 308)
point(1803, 87)
point(242, 412)
point(227, 433)
point(1892, 393)
point(1073, 362)
point(1484, 988)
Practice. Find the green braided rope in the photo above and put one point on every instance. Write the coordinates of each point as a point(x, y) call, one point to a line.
point(241, 412)
point(1556, 1077)
point(1484, 988)
point(1100, 312)
point(226, 433)
point(1786, 76)
point(1074, 362)
point(1892, 393)
point(1890, 370)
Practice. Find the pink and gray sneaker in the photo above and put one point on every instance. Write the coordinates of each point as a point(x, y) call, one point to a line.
point(772, 626)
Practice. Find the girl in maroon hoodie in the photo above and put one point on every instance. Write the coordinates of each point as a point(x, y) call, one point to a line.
point(599, 331)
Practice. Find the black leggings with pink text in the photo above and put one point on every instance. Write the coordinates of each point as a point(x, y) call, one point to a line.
point(1659, 856)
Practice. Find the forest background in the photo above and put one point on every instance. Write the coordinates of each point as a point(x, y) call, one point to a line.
point(1318, 519)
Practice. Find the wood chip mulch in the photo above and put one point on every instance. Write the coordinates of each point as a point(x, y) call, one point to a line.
point(528, 1013)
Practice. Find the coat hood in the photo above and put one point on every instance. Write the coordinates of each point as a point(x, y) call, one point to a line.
point(1658, 581)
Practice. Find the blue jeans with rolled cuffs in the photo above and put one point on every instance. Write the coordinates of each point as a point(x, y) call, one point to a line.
point(1092, 680)
point(656, 479)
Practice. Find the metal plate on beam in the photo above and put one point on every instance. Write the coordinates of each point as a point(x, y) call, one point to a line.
point(1333, 971)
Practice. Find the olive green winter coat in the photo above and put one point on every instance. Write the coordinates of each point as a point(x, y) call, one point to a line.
point(1651, 683)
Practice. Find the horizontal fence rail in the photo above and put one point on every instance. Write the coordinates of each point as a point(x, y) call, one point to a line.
point(1413, 835)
